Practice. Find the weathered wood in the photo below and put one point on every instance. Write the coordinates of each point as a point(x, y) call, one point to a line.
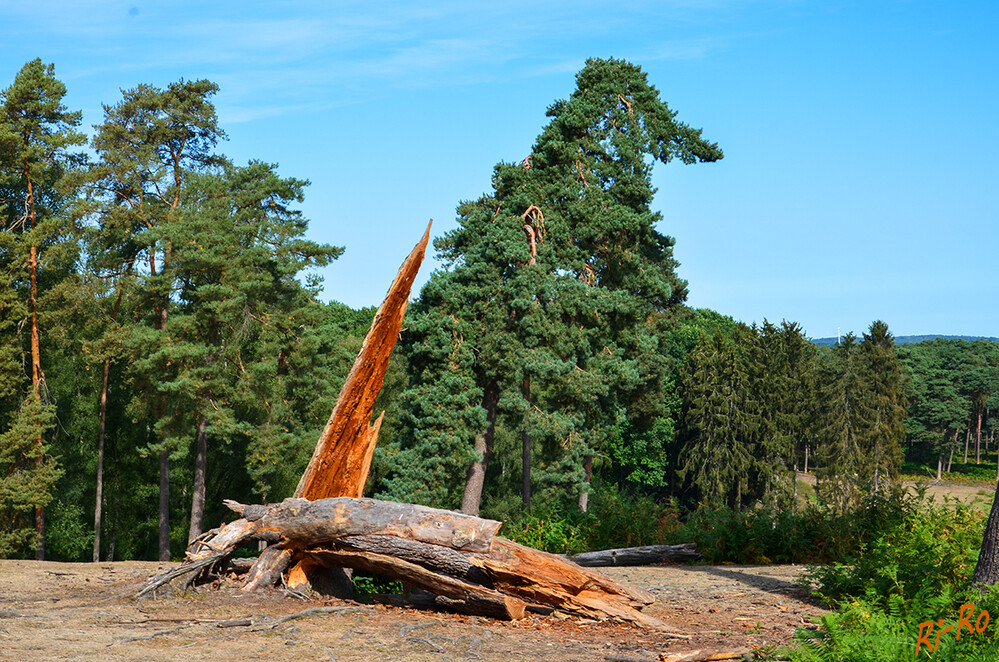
point(473, 598)
point(268, 569)
point(442, 560)
point(300, 524)
point(637, 555)
point(203, 554)
point(539, 577)
point(342, 459)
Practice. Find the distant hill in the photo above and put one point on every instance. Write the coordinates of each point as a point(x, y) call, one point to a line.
point(909, 340)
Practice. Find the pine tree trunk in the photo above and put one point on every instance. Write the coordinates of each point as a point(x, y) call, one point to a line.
point(806, 457)
point(102, 426)
point(967, 442)
point(939, 466)
point(950, 460)
point(476, 477)
point(164, 505)
point(200, 465)
point(987, 570)
point(584, 494)
point(525, 445)
point(36, 354)
point(99, 501)
point(978, 435)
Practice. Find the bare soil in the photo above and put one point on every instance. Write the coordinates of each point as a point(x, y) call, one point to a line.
point(84, 611)
point(939, 490)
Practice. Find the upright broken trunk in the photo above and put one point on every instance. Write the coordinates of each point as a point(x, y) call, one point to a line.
point(340, 464)
point(342, 459)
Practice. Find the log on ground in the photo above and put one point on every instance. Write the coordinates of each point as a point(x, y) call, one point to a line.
point(645, 555)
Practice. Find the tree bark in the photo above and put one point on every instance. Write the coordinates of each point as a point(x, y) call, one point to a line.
point(101, 428)
point(584, 494)
point(36, 359)
point(967, 443)
point(476, 477)
point(940, 465)
point(978, 434)
point(806, 457)
point(987, 569)
point(646, 555)
point(164, 505)
point(950, 459)
point(99, 500)
point(200, 467)
point(525, 452)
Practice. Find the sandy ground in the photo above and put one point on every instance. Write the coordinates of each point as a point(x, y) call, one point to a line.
point(965, 492)
point(57, 611)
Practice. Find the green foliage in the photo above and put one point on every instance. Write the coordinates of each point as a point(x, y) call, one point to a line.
point(556, 289)
point(914, 565)
point(862, 417)
point(365, 586)
point(28, 475)
point(642, 458)
point(746, 405)
point(915, 546)
point(612, 520)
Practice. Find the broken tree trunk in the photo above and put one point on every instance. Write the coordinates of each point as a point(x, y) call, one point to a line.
point(455, 556)
point(646, 555)
point(340, 463)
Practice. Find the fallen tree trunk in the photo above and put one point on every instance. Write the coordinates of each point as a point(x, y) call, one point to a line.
point(646, 555)
point(455, 556)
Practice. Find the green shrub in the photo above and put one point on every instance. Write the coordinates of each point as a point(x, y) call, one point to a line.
point(914, 546)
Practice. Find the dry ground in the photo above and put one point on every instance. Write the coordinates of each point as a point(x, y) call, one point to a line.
point(965, 492)
point(80, 611)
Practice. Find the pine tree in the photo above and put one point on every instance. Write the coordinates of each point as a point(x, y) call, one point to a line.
point(148, 146)
point(237, 249)
point(559, 276)
point(37, 134)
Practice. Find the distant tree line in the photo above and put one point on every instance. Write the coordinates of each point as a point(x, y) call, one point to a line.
point(162, 345)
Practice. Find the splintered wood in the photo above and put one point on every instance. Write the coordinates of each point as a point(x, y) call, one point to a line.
point(342, 459)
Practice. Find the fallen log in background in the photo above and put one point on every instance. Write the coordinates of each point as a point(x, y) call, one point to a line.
point(645, 555)
point(458, 557)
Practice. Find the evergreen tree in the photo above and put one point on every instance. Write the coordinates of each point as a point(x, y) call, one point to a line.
point(148, 146)
point(884, 405)
point(720, 422)
point(237, 248)
point(559, 280)
point(863, 417)
point(37, 134)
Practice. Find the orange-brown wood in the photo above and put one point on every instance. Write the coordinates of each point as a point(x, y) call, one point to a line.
point(342, 459)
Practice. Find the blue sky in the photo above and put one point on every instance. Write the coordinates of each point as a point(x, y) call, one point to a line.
point(860, 137)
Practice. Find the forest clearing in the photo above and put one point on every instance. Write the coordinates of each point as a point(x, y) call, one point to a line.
point(166, 359)
point(87, 611)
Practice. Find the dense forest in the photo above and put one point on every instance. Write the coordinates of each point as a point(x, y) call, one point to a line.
point(163, 344)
